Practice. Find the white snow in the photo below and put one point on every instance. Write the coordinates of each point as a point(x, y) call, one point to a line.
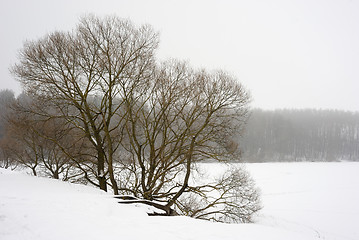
point(301, 201)
point(319, 199)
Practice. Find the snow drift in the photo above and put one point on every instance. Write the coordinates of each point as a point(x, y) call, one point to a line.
point(301, 201)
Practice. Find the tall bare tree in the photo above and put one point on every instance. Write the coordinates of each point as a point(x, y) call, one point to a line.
point(180, 118)
point(82, 74)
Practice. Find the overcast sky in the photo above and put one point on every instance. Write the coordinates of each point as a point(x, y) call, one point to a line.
point(289, 54)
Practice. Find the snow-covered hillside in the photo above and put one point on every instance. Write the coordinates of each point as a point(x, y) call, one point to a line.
point(301, 201)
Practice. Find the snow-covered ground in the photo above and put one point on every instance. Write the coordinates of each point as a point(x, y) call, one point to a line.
point(301, 201)
point(315, 199)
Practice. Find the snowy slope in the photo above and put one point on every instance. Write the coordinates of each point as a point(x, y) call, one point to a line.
point(294, 208)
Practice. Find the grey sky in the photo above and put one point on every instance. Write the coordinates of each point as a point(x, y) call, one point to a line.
point(289, 54)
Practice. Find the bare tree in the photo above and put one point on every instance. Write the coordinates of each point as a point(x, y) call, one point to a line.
point(144, 125)
point(7, 97)
point(83, 73)
point(26, 141)
point(180, 118)
point(7, 159)
point(231, 198)
point(22, 144)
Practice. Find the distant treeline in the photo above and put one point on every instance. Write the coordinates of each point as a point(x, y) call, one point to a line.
point(301, 135)
point(282, 135)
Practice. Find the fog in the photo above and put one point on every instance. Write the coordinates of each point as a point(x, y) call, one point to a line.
point(289, 54)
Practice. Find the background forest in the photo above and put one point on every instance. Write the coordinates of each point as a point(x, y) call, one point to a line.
point(301, 135)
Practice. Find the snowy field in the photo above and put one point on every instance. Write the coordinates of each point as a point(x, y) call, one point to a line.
point(301, 201)
point(313, 199)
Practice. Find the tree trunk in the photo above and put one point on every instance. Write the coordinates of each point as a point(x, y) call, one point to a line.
point(112, 178)
point(188, 172)
point(34, 171)
point(167, 209)
point(101, 170)
point(56, 174)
